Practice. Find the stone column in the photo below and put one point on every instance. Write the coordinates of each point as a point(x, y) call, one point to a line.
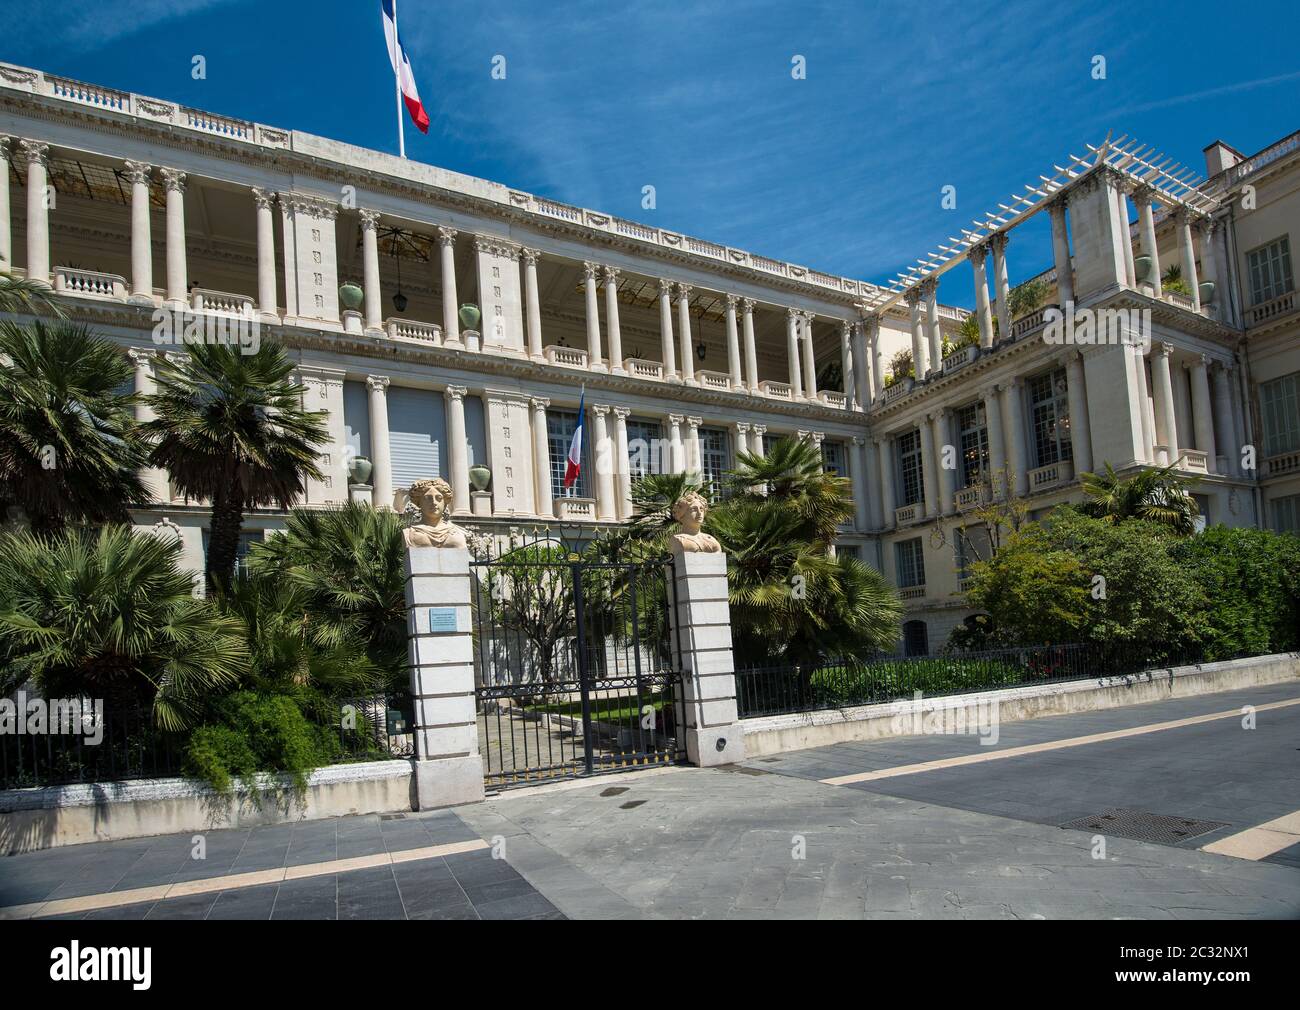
point(931, 289)
point(759, 430)
point(861, 518)
point(621, 467)
point(177, 271)
point(1141, 395)
point(792, 353)
point(594, 359)
point(733, 344)
point(741, 432)
point(458, 456)
point(684, 325)
point(872, 326)
point(702, 635)
point(447, 767)
point(940, 420)
point(369, 266)
point(1014, 423)
point(1166, 424)
point(1121, 210)
point(751, 346)
point(38, 211)
point(694, 460)
point(809, 359)
point(1226, 440)
point(978, 254)
point(611, 322)
point(542, 456)
point(1061, 251)
point(920, 355)
point(1001, 284)
point(6, 233)
point(884, 451)
point(380, 451)
point(1202, 422)
point(602, 456)
point(668, 342)
point(848, 380)
point(677, 462)
point(268, 302)
point(1080, 427)
point(1143, 197)
point(534, 306)
point(1188, 253)
point(862, 382)
point(929, 467)
point(997, 445)
point(155, 480)
point(450, 308)
point(138, 174)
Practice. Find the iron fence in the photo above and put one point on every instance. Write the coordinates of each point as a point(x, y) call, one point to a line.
point(374, 727)
point(847, 681)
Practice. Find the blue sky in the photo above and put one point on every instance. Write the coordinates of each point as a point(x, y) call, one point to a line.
point(841, 171)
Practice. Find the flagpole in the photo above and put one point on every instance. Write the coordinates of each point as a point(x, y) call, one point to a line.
point(397, 80)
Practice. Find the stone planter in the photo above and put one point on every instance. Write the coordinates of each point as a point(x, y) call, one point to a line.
point(479, 476)
point(1207, 292)
point(1141, 267)
point(470, 316)
point(351, 296)
point(360, 469)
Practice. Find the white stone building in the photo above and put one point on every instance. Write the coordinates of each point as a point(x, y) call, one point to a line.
point(689, 351)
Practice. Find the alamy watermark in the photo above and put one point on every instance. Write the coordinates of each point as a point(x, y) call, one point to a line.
point(950, 717)
point(185, 326)
point(23, 716)
point(1096, 327)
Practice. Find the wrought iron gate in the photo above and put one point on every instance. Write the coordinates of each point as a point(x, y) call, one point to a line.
point(576, 668)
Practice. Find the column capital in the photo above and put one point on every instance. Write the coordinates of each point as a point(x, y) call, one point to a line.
point(622, 413)
point(684, 292)
point(446, 236)
point(817, 437)
point(792, 314)
point(998, 242)
point(455, 393)
point(978, 253)
point(35, 151)
point(846, 328)
point(1011, 384)
point(665, 286)
point(530, 256)
point(759, 429)
point(859, 440)
point(600, 409)
point(140, 355)
point(1142, 195)
point(676, 419)
point(742, 427)
point(694, 422)
point(540, 403)
point(808, 317)
point(732, 301)
point(1163, 349)
point(173, 179)
point(262, 197)
point(138, 172)
point(590, 270)
point(989, 392)
point(747, 305)
point(1209, 226)
point(4, 146)
point(912, 296)
point(929, 287)
point(380, 382)
point(1197, 361)
point(611, 274)
point(1057, 205)
point(369, 219)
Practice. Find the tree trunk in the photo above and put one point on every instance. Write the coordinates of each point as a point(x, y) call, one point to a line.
point(223, 535)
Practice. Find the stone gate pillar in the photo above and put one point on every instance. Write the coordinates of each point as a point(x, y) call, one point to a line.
point(702, 637)
point(448, 768)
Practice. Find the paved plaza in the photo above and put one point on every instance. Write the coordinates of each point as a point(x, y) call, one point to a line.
point(915, 827)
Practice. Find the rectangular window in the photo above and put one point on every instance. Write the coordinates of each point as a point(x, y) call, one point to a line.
point(647, 452)
point(417, 435)
point(1049, 406)
point(1279, 407)
point(769, 442)
point(1286, 514)
point(973, 441)
point(560, 426)
point(909, 558)
point(833, 459)
point(714, 459)
point(853, 551)
point(910, 484)
point(1270, 271)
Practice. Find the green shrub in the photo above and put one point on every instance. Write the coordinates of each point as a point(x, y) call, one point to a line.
point(253, 733)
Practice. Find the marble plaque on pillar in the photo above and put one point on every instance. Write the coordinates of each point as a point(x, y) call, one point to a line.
point(510, 455)
point(500, 298)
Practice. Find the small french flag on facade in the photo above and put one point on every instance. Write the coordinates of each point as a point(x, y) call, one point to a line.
point(574, 464)
point(402, 68)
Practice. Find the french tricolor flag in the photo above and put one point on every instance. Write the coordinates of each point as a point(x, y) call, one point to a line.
point(402, 68)
point(573, 466)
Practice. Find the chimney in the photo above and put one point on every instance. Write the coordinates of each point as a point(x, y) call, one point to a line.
point(1219, 157)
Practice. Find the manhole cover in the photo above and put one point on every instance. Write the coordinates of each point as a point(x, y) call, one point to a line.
point(613, 791)
point(1141, 826)
point(392, 817)
point(742, 770)
point(631, 804)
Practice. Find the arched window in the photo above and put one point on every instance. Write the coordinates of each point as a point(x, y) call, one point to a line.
point(916, 639)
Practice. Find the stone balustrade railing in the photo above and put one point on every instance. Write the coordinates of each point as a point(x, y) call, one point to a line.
point(643, 368)
point(967, 497)
point(833, 398)
point(567, 357)
point(714, 380)
point(205, 300)
point(776, 390)
point(959, 358)
point(1266, 311)
point(912, 593)
point(905, 515)
point(1195, 461)
point(897, 390)
point(1283, 463)
point(89, 283)
point(1053, 475)
point(410, 329)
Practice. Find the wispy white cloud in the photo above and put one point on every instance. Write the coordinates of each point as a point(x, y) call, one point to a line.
point(73, 27)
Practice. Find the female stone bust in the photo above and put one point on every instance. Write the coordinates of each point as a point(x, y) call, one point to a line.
point(433, 499)
point(689, 510)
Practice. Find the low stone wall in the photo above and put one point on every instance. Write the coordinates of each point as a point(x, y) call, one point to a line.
point(778, 733)
point(32, 819)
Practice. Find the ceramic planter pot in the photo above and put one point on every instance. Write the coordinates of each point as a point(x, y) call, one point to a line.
point(1207, 292)
point(351, 296)
point(1142, 267)
point(359, 470)
point(470, 316)
point(479, 476)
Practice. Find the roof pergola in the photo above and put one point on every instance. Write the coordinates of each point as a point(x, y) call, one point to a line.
point(1173, 184)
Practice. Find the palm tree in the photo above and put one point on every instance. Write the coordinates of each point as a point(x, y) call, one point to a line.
point(231, 429)
point(794, 472)
point(111, 614)
point(69, 449)
point(17, 294)
point(347, 566)
point(1157, 495)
